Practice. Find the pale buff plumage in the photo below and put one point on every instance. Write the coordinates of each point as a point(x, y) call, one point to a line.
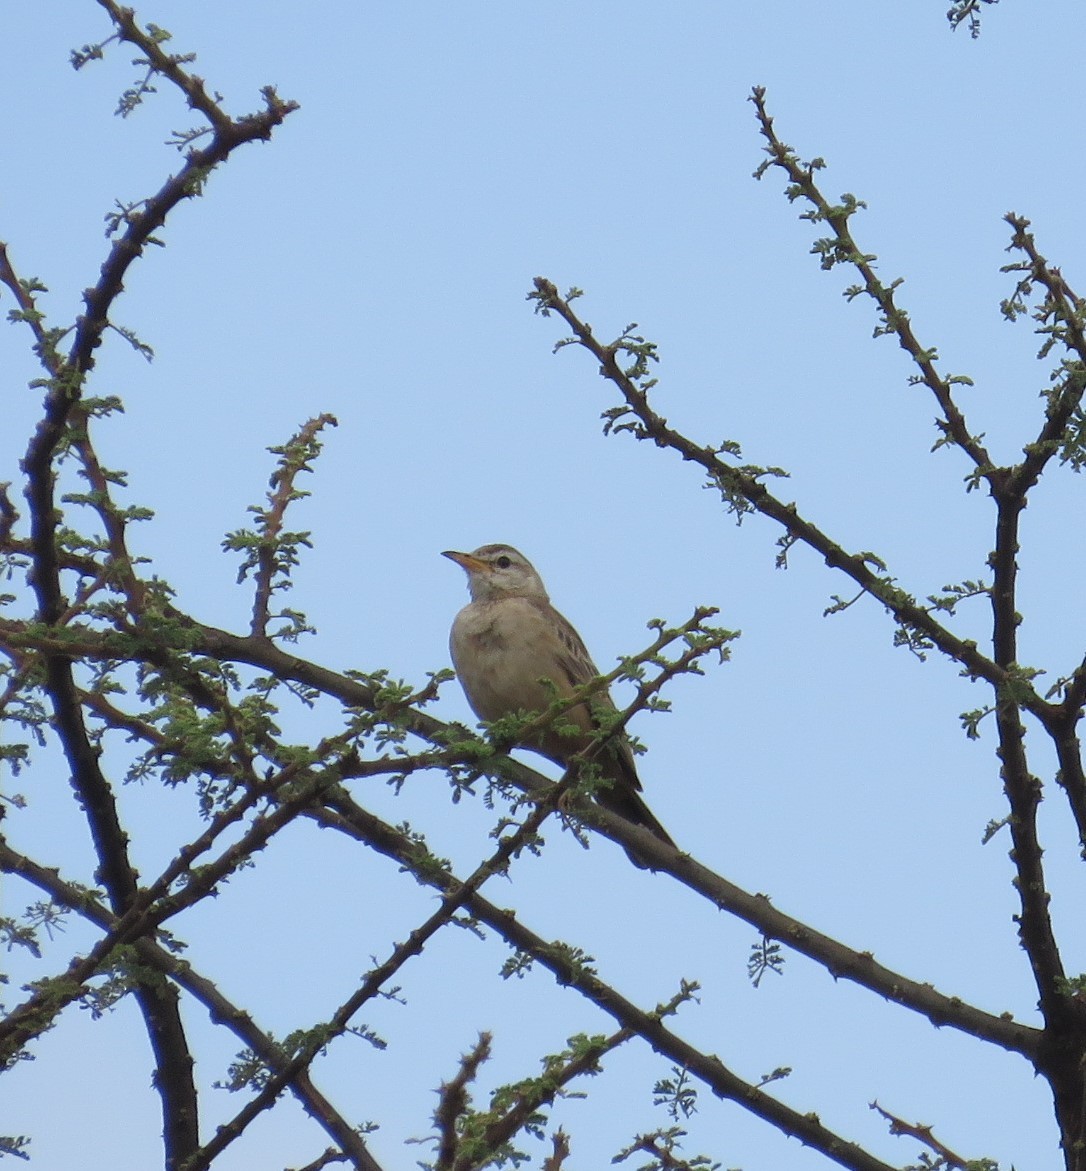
point(507, 639)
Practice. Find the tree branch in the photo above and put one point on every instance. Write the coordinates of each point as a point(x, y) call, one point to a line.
point(730, 478)
point(455, 897)
point(220, 1010)
point(344, 815)
point(842, 249)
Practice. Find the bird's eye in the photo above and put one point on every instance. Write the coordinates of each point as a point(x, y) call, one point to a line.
point(503, 562)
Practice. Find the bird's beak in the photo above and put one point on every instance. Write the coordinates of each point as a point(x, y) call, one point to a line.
point(466, 562)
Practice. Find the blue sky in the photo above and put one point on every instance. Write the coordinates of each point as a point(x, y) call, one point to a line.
point(372, 261)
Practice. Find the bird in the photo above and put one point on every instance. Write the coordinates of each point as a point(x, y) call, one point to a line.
point(506, 642)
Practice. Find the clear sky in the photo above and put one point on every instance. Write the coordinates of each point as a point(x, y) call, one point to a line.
point(372, 262)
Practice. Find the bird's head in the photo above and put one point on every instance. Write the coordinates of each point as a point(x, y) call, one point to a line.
point(498, 571)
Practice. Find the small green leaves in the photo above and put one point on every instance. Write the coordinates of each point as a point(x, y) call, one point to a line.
point(272, 552)
point(839, 604)
point(765, 956)
point(1073, 985)
point(15, 1145)
point(947, 601)
point(93, 52)
point(246, 1071)
point(544, 295)
point(141, 348)
point(735, 484)
point(519, 964)
point(642, 351)
point(967, 12)
point(677, 1094)
point(992, 828)
point(578, 963)
point(971, 720)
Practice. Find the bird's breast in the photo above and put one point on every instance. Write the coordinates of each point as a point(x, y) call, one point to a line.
point(501, 650)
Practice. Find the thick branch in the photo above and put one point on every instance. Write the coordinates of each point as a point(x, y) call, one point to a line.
point(174, 1062)
point(1022, 788)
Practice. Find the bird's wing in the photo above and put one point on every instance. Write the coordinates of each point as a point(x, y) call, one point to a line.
point(577, 664)
point(573, 656)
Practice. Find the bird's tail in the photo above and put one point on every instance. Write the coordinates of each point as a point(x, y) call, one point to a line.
point(628, 803)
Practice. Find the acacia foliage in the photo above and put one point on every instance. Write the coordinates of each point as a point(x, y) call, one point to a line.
point(97, 651)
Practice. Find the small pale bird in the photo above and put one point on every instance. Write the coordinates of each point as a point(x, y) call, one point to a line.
point(505, 641)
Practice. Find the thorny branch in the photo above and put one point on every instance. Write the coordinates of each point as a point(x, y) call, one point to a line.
point(540, 1093)
point(453, 1101)
point(1062, 318)
point(272, 555)
point(219, 1008)
point(905, 609)
point(898, 1126)
point(65, 383)
point(842, 248)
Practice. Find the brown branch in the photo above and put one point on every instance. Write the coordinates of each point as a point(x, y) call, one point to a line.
point(159, 1006)
point(44, 344)
point(8, 516)
point(661, 1146)
point(227, 135)
point(452, 1103)
point(352, 820)
point(186, 184)
point(1074, 698)
point(324, 1160)
point(455, 897)
point(120, 562)
point(124, 19)
point(904, 608)
point(181, 972)
point(1023, 790)
point(541, 1092)
point(899, 1126)
point(846, 250)
point(1071, 777)
point(559, 1151)
point(296, 457)
point(1067, 309)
